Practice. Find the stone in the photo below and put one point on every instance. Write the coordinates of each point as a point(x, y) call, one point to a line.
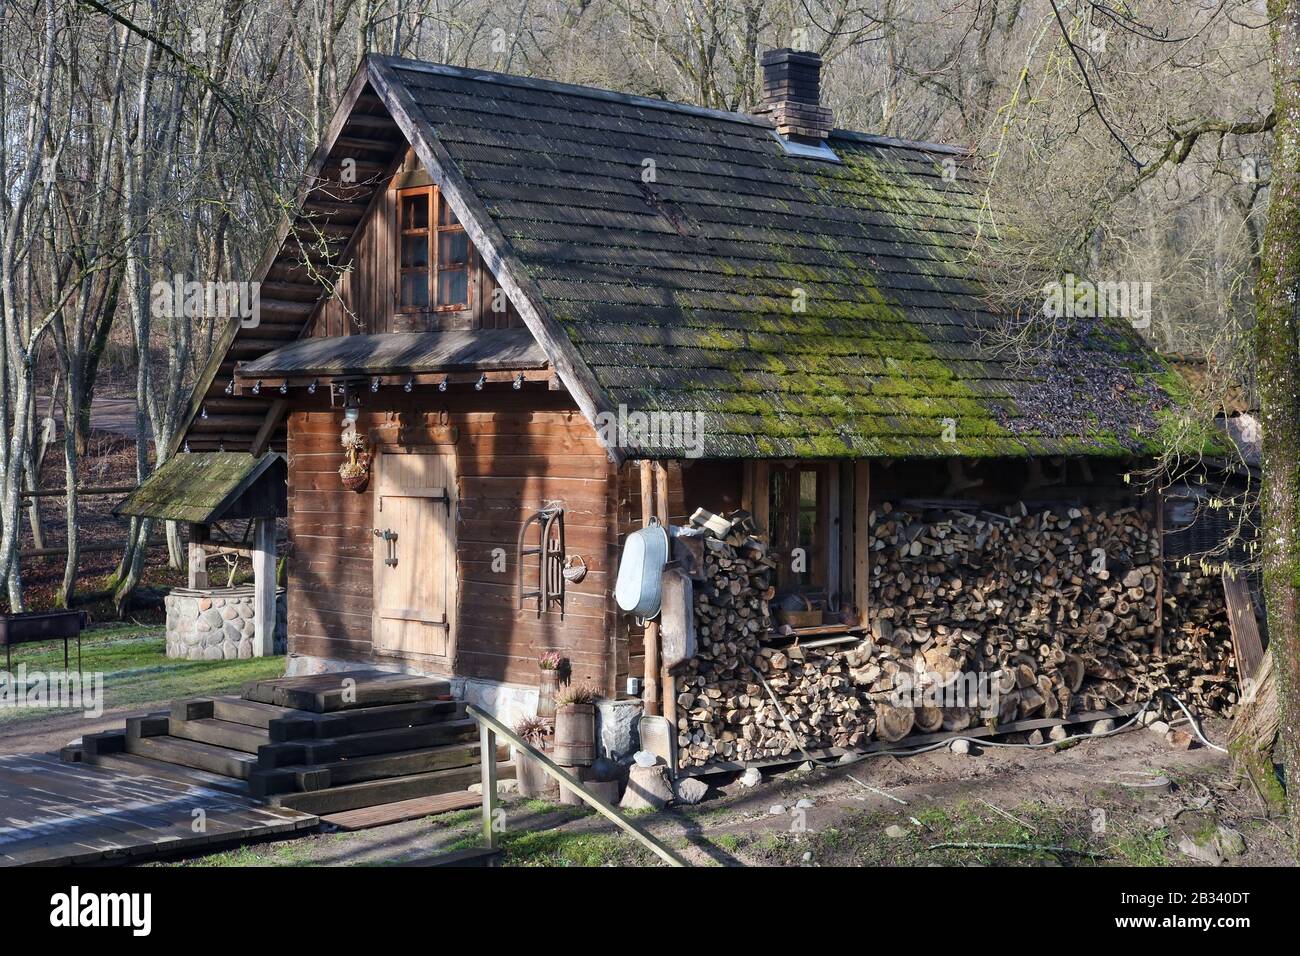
point(807, 857)
point(212, 617)
point(245, 611)
point(807, 767)
point(776, 810)
point(960, 746)
point(1179, 739)
point(205, 603)
point(616, 728)
point(1147, 718)
point(1229, 842)
point(212, 653)
point(1059, 733)
point(644, 758)
point(895, 832)
point(691, 790)
point(752, 777)
point(1036, 737)
point(232, 632)
point(804, 804)
point(229, 650)
point(504, 787)
point(1159, 727)
point(229, 614)
point(1103, 726)
point(1207, 852)
point(647, 788)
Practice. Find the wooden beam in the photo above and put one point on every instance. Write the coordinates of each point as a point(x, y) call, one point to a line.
point(198, 557)
point(274, 415)
point(264, 587)
point(667, 683)
point(487, 750)
point(650, 638)
point(862, 541)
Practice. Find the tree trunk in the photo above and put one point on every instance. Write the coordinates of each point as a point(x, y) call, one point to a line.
point(1278, 359)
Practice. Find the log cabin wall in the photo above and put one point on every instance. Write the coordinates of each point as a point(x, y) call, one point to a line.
point(513, 452)
point(365, 299)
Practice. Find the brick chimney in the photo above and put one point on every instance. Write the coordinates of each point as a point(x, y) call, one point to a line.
point(792, 95)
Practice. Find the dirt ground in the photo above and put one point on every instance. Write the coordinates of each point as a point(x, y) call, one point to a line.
point(1124, 800)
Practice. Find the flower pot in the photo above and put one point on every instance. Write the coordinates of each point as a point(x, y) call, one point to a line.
point(575, 735)
point(532, 778)
point(548, 685)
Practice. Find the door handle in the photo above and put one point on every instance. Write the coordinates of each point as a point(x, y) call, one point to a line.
point(390, 539)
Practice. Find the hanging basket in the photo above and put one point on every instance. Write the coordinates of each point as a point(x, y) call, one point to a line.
point(355, 482)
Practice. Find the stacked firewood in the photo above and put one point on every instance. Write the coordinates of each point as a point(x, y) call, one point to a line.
point(716, 688)
point(976, 618)
point(1198, 660)
point(1062, 602)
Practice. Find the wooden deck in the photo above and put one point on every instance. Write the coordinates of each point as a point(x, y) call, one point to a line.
point(55, 813)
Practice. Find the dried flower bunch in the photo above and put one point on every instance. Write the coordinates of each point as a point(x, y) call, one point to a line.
point(550, 661)
point(358, 463)
point(575, 695)
point(534, 730)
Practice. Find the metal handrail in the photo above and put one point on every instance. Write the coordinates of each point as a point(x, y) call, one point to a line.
point(489, 727)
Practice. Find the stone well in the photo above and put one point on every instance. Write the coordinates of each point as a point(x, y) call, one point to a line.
point(214, 624)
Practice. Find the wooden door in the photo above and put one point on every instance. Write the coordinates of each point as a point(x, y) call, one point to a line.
point(415, 567)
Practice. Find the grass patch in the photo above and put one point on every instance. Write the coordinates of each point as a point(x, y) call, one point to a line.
point(860, 839)
point(136, 670)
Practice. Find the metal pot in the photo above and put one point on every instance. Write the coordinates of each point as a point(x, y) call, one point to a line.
point(640, 571)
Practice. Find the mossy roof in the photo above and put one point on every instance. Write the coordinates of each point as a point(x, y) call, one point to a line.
point(202, 487)
point(802, 308)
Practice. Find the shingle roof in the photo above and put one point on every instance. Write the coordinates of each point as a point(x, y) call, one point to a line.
point(203, 487)
point(670, 258)
point(684, 293)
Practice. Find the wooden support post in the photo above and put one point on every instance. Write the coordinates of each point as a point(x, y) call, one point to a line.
point(862, 541)
point(264, 587)
point(487, 757)
point(198, 556)
point(667, 683)
point(650, 640)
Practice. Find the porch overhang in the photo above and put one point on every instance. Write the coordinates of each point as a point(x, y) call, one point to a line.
point(420, 356)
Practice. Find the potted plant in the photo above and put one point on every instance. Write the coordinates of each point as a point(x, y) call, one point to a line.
point(575, 727)
point(530, 776)
point(549, 684)
point(355, 472)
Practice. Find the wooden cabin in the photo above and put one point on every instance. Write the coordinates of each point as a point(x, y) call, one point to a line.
point(532, 299)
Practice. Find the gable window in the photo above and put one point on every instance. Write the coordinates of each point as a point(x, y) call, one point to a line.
point(433, 255)
point(799, 519)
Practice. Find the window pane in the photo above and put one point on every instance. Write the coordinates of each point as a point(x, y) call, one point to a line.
point(807, 489)
point(415, 211)
point(453, 249)
point(445, 216)
point(415, 252)
point(415, 289)
point(453, 287)
point(807, 528)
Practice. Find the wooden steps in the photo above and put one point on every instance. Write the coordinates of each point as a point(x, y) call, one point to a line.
point(192, 753)
point(333, 742)
point(403, 810)
point(354, 796)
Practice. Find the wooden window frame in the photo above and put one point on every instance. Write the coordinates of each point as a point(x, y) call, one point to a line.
point(785, 528)
point(433, 271)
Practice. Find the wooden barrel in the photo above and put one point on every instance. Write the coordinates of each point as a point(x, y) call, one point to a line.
point(548, 686)
point(575, 735)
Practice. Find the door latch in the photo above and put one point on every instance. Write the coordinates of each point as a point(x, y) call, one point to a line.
point(390, 539)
